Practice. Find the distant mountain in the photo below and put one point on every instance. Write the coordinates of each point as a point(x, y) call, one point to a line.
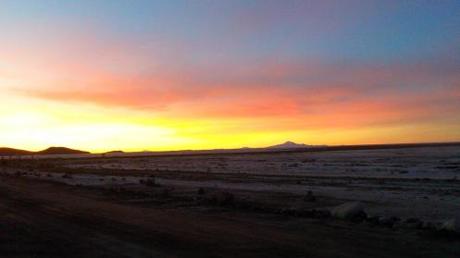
point(115, 152)
point(60, 150)
point(11, 152)
point(289, 145)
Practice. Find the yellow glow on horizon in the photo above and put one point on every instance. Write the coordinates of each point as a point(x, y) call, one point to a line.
point(98, 130)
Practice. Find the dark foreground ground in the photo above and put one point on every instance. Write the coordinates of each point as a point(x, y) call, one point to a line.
point(46, 219)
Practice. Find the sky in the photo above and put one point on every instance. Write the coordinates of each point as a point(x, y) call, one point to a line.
point(136, 75)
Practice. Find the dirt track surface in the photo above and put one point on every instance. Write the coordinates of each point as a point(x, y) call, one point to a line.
point(43, 219)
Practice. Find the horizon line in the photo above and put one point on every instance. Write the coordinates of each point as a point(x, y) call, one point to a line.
point(307, 146)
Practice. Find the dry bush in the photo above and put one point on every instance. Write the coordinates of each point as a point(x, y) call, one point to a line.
point(223, 199)
point(201, 191)
point(149, 182)
point(67, 176)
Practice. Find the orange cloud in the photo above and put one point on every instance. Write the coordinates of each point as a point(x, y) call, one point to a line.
point(309, 94)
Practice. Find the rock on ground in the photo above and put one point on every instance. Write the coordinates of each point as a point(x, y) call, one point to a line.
point(451, 225)
point(348, 210)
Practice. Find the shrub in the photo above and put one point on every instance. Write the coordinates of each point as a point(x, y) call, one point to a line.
point(201, 191)
point(150, 182)
point(166, 193)
point(223, 199)
point(66, 176)
point(309, 197)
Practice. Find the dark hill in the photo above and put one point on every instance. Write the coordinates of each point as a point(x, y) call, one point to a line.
point(11, 151)
point(115, 152)
point(60, 150)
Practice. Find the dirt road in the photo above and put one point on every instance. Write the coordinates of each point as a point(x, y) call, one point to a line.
point(44, 219)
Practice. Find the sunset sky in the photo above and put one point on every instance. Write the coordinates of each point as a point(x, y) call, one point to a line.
point(198, 74)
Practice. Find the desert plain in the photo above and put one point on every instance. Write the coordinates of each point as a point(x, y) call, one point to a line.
point(390, 202)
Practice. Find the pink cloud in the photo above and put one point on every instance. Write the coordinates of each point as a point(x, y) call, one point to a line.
point(312, 92)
